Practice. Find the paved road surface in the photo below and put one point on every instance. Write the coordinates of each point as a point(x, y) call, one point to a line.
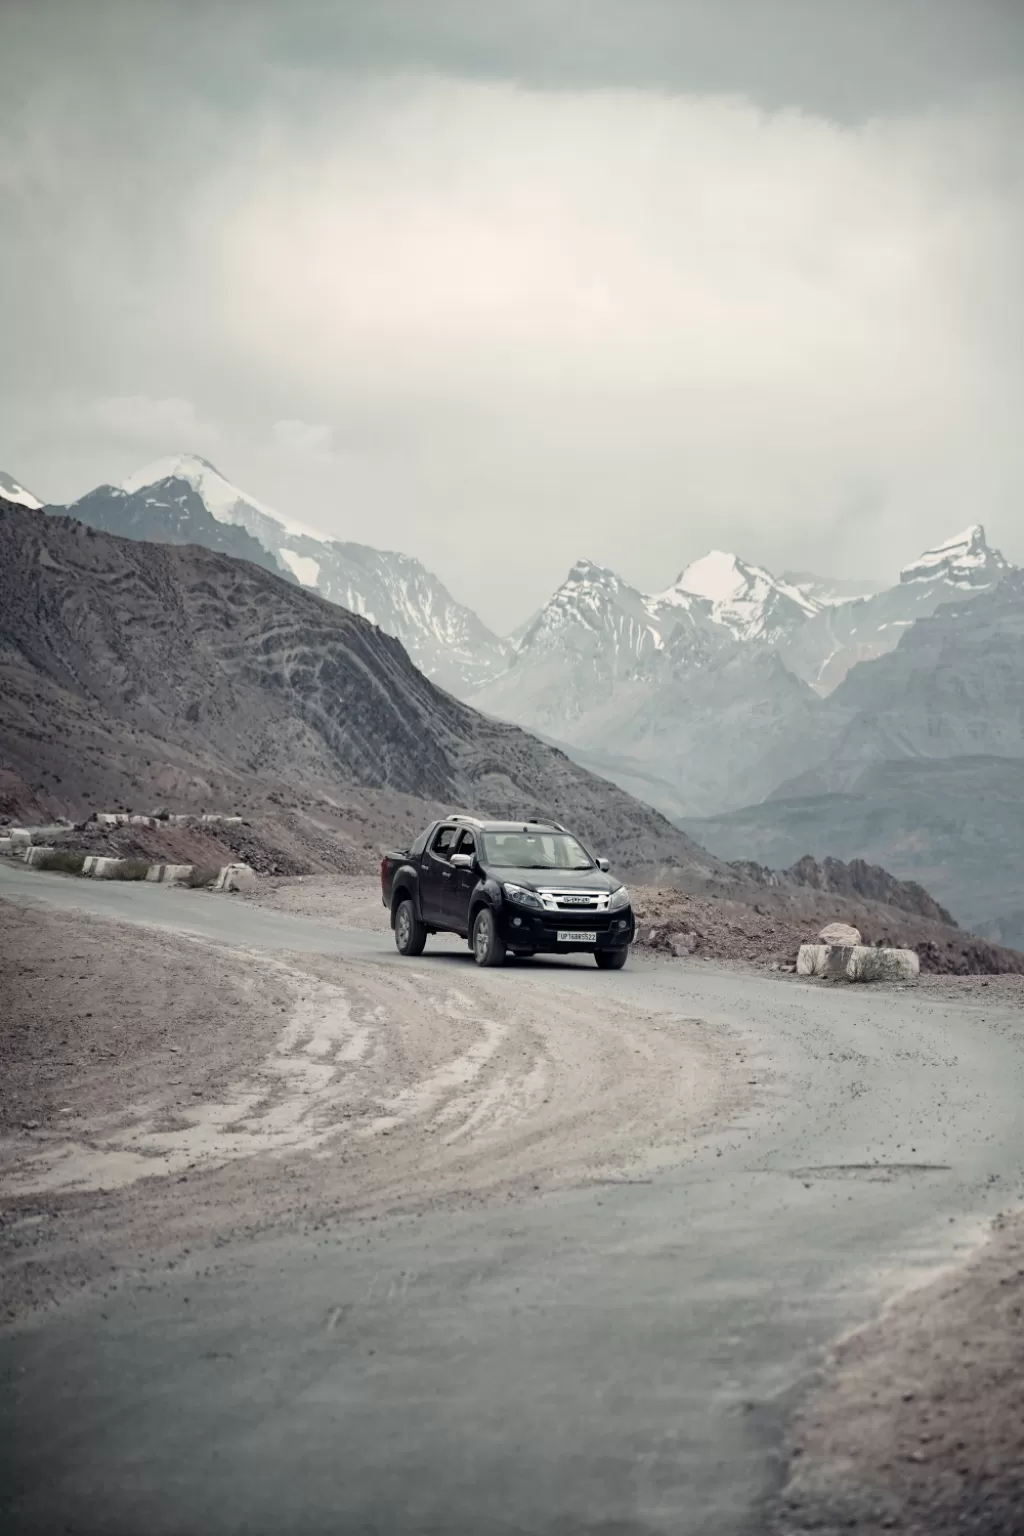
point(610, 1360)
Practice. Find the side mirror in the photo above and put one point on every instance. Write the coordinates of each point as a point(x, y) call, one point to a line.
point(604, 864)
point(461, 861)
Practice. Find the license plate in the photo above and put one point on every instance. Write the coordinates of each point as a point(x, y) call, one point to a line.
point(575, 936)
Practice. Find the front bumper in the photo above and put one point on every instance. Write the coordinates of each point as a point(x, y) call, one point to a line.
point(526, 928)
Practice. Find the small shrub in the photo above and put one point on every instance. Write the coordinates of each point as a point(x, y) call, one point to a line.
point(64, 861)
point(201, 877)
point(132, 869)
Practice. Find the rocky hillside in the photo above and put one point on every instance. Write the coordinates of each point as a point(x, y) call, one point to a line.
point(136, 670)
point(857, 881)
point(184, 499)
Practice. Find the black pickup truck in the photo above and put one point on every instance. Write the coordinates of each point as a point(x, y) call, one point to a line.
point(509, 887)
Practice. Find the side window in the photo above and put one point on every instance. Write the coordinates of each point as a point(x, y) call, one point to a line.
point(444, 843)
point(467, 844)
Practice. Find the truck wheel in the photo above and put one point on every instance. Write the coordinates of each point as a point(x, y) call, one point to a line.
point(611, 959)
point(488, 949)
point(410, 934)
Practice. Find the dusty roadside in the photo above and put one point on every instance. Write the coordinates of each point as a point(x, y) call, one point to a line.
point(351, 901)
point(160, 1094)
point(918, 1423)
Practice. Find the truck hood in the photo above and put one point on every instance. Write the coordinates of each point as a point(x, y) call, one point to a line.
point(562, 879)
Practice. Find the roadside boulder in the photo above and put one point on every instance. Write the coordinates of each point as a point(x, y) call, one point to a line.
point(235, 877)
point(843, 934)
point(682, 944)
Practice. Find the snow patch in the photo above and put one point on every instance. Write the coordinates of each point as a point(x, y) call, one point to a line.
point(302, 567)
point(10, 490)
point(718, 577)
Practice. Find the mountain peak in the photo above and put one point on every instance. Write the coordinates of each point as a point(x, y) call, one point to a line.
point(718, 576)
point(172, 466)
point(10, 490)
point(746, 599)
point(965, 560)
point(222, 500)
point(589, 571)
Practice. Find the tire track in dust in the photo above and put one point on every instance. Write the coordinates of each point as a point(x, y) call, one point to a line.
point(405, 1086)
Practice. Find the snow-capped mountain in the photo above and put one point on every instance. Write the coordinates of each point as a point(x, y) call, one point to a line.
point(595, 634)
point(834, 640)
point(594, 601)
point(659, 692)
point(168, 512)
point(446, 640)
point(10, 490)
point(745, 599)
point(185, 499)
point(966, 561)
point(224, 501)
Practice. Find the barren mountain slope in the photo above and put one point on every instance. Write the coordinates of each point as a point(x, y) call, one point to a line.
point(146, 669)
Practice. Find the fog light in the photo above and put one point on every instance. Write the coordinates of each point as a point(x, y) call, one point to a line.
point(517, 922)
point(621, 923)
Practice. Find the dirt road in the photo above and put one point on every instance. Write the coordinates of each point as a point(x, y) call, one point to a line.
point(733, 1170)
point(294, 1089)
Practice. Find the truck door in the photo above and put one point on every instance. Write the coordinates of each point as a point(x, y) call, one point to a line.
point(436, 875)
point(462, 884)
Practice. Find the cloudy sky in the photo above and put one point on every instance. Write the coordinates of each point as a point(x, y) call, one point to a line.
point(502, 285)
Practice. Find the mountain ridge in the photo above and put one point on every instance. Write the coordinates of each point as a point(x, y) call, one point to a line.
point(446, 639)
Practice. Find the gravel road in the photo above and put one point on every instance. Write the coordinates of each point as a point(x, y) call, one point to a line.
point(545, 1250)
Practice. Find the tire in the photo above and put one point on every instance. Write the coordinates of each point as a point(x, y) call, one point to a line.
point(410, 934)
point(488, 949)
point(610, 959)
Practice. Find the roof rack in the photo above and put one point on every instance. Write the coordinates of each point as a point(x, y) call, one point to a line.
point(538, 821)
point(473, 821)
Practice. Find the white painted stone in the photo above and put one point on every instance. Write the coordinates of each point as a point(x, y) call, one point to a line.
point(37, 853)
point(155, 872)
point(105, 869)
point(882, 964)
point(21, 837)
point(173, 874)
point(812, 959)
point(235, 877)
point(5, 845)
point(860, 962)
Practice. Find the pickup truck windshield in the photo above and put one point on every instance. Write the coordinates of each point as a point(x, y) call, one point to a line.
point(535, 850)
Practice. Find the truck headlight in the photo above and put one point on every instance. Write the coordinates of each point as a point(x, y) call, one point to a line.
point(619, 899)
point(520, 894)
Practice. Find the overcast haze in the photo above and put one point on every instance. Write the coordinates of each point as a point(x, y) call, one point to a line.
point(624, 280)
